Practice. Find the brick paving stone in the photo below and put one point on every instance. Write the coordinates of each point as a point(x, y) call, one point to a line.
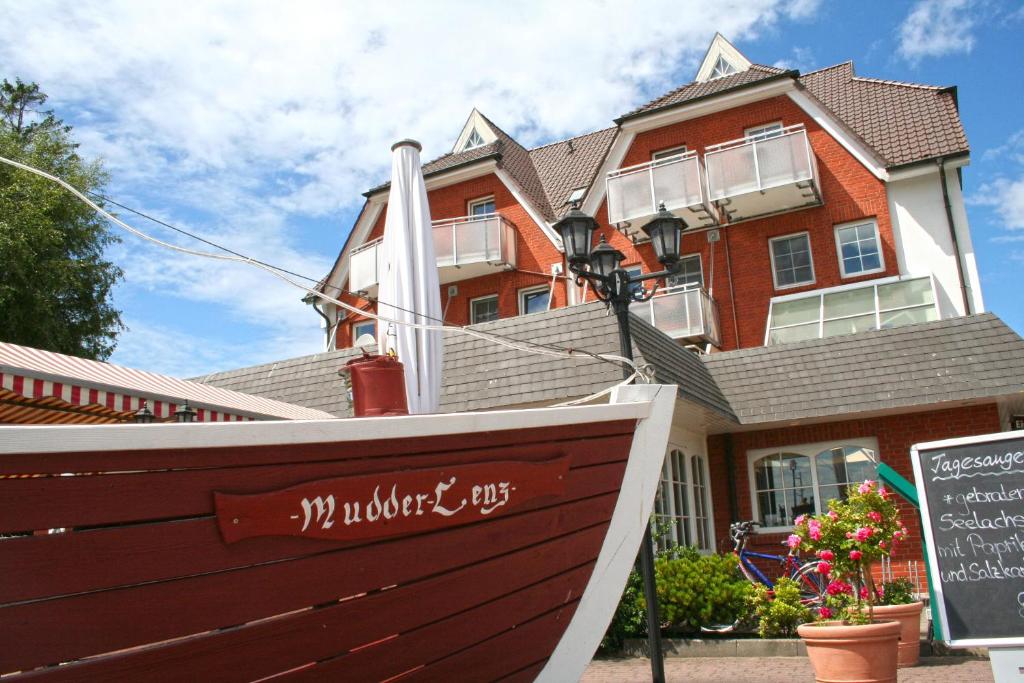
point(773, 670)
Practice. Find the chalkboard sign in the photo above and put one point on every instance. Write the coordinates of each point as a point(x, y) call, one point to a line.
point(971, 492)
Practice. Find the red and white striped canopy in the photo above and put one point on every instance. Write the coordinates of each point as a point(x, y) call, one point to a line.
point(52, 381)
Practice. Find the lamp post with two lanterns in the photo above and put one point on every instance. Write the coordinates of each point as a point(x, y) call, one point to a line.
point(612, 284)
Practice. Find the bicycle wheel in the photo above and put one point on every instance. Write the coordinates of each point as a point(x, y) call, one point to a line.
point(812, 584)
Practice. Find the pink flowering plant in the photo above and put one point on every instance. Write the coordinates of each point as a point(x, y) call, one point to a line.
point(847, 540)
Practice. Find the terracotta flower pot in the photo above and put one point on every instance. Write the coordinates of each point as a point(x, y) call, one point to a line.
point(909, 617)
point(847, 653)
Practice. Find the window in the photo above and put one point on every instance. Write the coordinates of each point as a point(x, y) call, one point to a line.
point(857, 245)
point(484, 309)
point(534, 300)
point(576, 195)
point(791, 260)
point(799, 480)
point(635, 271)
point(682, 508)
point(474, 140)
point(668, 153)
point(769, 130)
point(366, 327)
point(722, 68)
point(690, 274)
point(881, 304)
point(481, 207)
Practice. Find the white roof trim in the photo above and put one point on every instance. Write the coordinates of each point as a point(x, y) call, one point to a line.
point(612, 161)
point(374, 205)
point(474, 122)
point(709, 105)
point(720, 47)
point(520, 197)
point(837, 130)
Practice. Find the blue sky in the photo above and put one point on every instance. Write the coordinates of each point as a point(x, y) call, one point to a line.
point(259, 126)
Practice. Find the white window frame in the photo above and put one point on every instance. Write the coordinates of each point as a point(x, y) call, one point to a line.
point(839, 247)
point(360, 323)
point(477, 202)
point(810, 256)
point(700, 262)
point(668, 512)
point(716, 73)
point(668, 153)
point(523, 293)
point(821, 293)
point(765, 131)
point(474, 300)
point(469, 141)
point(811, 450)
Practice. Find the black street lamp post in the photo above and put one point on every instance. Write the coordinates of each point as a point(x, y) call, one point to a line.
point(614, 285)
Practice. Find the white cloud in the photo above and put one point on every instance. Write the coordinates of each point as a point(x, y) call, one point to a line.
point(250, 122)
point(1006, 197)
point(935, 28)
point(801, 58)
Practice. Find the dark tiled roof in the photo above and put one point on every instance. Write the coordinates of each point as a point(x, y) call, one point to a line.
point(901, 122)
point(449, 161)
point(904, 368)
point(479, 375)
point(696, 90)
point(570, 164)
point(516, 160)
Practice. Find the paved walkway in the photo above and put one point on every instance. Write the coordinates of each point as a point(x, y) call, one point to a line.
point(773, 670)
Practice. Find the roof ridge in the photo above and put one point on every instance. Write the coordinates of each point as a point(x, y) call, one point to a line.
point(826, 68)
point(885, 81)
point(575, 137)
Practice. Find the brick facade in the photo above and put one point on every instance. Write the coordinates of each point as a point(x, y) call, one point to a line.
point(895, 434)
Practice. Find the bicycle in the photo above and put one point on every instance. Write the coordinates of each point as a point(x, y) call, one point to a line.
point(812, 583)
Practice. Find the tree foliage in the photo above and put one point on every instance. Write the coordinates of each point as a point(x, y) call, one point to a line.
point(55, 292)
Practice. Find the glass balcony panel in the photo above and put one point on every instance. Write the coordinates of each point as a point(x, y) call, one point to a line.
point(629, 196)
point(795, 312)
point(363, 268)
point(676, 183)
point(783, 159)
point(444, 245)
point(908, 316)
point(860, 323)
point(731, 172)
point(905, 293)
point(796, 333)
point(682, 314)
point(850, 302)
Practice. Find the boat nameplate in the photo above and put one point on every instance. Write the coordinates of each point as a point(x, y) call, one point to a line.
point(390, 504)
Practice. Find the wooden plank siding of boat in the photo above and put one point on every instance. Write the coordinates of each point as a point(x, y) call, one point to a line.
point(141, 584)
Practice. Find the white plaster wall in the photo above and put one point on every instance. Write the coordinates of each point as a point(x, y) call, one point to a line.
point(923, 243)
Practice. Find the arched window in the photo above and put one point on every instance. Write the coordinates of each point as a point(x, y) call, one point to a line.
point(798, 480)
point(682, 509)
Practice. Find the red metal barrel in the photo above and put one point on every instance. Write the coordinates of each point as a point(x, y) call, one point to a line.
point(378, 386)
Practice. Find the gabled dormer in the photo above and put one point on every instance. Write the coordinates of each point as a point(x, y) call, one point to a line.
point(722, 59)
point(477, 132)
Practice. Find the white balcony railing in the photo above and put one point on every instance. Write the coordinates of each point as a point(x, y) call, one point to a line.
point(636, 192)
point(757, 176)
point(683, 313)
point(465, 247)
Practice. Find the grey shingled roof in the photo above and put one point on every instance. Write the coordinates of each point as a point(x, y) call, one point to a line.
point(904, 368)
point(698, 90)
point(478, 375)
point(902, 122)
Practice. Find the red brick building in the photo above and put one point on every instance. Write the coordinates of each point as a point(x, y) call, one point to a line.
point(828, 314)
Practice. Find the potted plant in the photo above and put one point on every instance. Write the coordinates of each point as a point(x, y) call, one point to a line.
point(897, 601)
point(848, 642)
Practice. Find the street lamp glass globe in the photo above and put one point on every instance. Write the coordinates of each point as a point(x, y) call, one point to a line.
point(665, 231)
point(577, 232)
point(605, 258)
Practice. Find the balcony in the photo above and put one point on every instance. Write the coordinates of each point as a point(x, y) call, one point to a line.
point(465, 248)
point(690, 315)
point(754, 177)
point(636, 192)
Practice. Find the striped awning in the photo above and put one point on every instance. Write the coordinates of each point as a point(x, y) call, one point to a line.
point(45, 387)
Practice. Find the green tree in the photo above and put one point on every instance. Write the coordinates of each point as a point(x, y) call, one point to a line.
point(55, 285)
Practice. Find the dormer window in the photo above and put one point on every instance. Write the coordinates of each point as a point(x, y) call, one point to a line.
point(474, 140)
point(722, 68)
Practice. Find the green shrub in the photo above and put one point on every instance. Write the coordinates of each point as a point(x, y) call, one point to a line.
point(697, 590)
point(898, 592)
point(629, 620)
point(779, 615)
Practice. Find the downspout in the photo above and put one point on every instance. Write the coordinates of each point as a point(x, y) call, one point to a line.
point(952, 235)
point(732, 292)
point(312, 301)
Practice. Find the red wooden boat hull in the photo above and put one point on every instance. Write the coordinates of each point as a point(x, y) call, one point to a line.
point(231, 552)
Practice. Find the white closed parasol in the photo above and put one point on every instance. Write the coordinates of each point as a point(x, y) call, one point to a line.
point(409, 290)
